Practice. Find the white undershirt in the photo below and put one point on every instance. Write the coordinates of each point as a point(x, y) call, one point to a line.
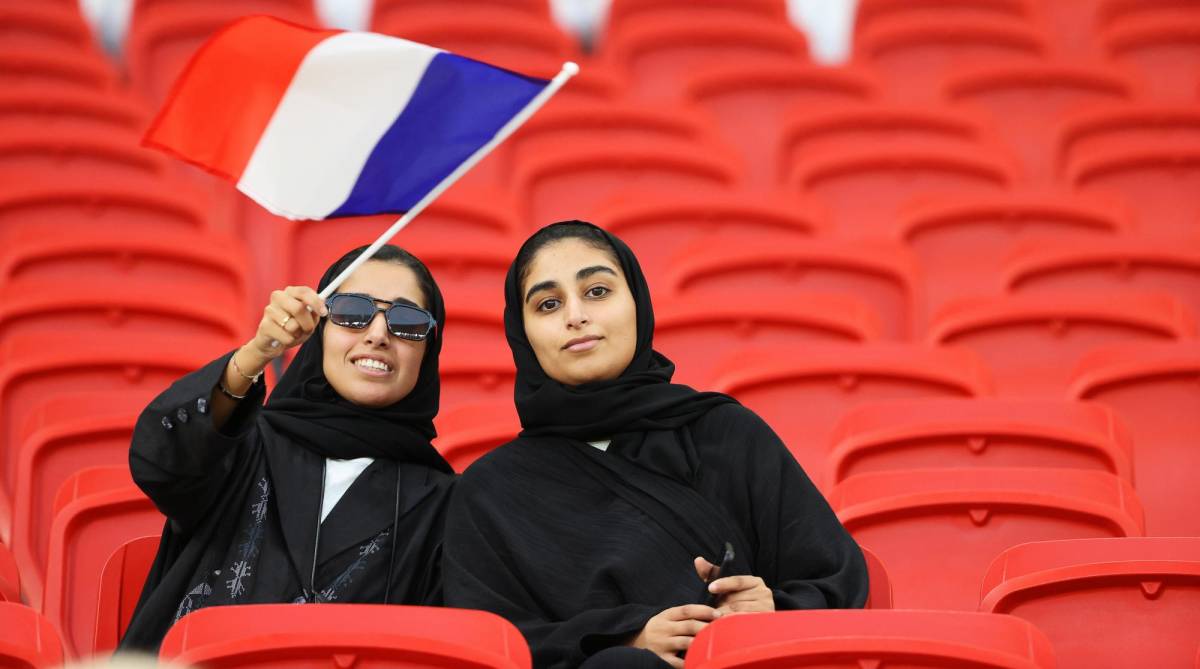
point(601, 445)
point(339, 476)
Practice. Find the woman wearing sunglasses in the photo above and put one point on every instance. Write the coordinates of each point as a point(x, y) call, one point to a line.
point(595, 531)
point(331, 491)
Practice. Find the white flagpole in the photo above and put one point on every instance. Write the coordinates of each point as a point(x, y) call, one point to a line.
point(568, 70)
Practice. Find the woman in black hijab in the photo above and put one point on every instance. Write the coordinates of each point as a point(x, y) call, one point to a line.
point(332, 492)
point(595, 530)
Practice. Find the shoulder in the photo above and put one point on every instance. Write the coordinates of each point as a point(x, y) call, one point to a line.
point(730, 419)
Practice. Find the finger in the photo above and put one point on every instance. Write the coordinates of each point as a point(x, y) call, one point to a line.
point(753, 594)
point(672, 660)
point(310, 298)
point(755, 606)
point(302, 311)
point(692, 612)
point(678, 643)
point(703, 568)
point(686, 627)
point(730, 584)
point(270, 330)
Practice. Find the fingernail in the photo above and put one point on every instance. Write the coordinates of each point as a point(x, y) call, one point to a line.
point(716, 613)
point(274, 343)
point(712, 587)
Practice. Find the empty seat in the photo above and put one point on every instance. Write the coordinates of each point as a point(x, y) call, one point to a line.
point(880, 586)
point(1103, 129)
point(1164, 52)
point(871, 13)
point(45, 26)
point(504, 39)
point(75, 154)
point(1153, 388)
point(475, 372)
point(396, 12)
point(163, 36)
point(48, 108)
point(10, 577)
point(33, 372)
point(750, 102)
point(597, 81)
point(570, 182)
point(937, 530)
point(1032, 342)
point(363, 635)
point(1132, 602)
point(963, 242)
point(1102, 266)
point(1155, 183)
point(97, 511)
point(661, 226)
point(854, 639)
point(29, 640)
point(914, 56)
point(883, 275)
point(660, 51)
point(120, 588)
point(688, 330)
point(802, 391)
point(125, 208)
point(37, 69)
point(469, 431)
point(809, 132)
point(624, 13)
point(1026, 103)
point(932, 433)
point(1117, 12)
point(865, 190)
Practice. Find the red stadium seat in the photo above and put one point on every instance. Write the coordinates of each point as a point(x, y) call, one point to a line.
point(120, 587)
point(1118, 12)
point(660, 51)
point(49, 108)
point(1163, 51)
point(33, 372)
point(937, 530)
point(689, 330)
point(750, 102)
point(597, 81)
point(865, 639)
point(1105, 265)
point(10, 577)
point(167, 257)
point(914, 56)
point(128, 207)
point(97, 511)
point(871, 13)
point(471, 430)
point(397, 12)
point(163, 36)
point(1128, 602)
point(476, 372)
point(880, 595)
point(1153, 388)
point(934, 433)
point(1101, 130)
point(1026, 103)
point(368, 636)
point(29, 640)
point(1031, 342)
point(881, 274)
point(802, 391)
point(1156, 183)
point(577, 181)
point(45, 26)
point(75, 154)
point(505, 39)
point(963, 242)
point(866, 189)
point(24, 69)
point(63, 435)
point(807, 133)
point(624, 13)
point(659, 227)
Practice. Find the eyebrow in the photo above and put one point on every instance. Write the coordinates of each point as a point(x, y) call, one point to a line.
point(579, 276)
point(405, 300)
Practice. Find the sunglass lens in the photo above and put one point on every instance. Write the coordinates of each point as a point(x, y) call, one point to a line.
point(408, 322)
point(351, 311)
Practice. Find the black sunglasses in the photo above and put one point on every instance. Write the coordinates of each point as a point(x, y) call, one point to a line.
point(356, 311)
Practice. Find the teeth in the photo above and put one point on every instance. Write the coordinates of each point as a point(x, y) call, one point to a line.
point(368, 363)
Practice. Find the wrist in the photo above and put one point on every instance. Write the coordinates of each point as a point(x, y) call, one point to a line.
point(247, 364)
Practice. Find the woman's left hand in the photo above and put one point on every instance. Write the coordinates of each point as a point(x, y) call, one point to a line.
point(738, 594)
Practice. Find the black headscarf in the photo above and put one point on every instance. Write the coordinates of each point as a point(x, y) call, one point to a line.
point(306, 409)
point(641, 399)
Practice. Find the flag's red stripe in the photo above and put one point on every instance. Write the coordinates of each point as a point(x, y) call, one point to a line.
point(256, 57)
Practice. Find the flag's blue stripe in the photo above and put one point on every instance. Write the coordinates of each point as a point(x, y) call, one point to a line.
point(457, 107)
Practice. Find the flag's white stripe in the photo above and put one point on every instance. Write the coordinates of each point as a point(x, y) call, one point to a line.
point(346, 94)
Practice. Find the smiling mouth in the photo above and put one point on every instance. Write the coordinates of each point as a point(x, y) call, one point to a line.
point(372, 366)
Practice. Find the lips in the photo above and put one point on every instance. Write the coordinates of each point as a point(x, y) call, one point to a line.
point(582, 343)
point(372, 365)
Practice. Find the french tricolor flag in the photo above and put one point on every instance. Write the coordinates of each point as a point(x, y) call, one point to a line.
point(317, 124)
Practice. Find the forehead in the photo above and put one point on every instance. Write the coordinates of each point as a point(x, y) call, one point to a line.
point(386, 281)
point(560, 260)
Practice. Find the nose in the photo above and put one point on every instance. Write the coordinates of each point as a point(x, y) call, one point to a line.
point(576, 315)
point(376, 333)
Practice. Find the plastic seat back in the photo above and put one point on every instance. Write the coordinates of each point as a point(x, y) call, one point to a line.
point(121, 585)
point(1164, 52)
point(1154, 183)
point(471, 430)
point(1103, 129)
point(29, 641)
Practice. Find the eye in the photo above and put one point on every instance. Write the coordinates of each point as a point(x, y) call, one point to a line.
point(548, 304)
point(598, 291)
